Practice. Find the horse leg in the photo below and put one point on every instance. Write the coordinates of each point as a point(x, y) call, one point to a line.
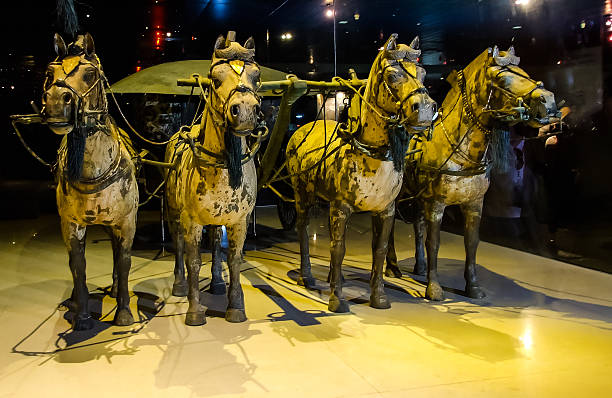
point(217, 284)
point(74, 239)
point(179, 287)
point(303, 206)
point(472, 213)
point(192, 235)
point(339, 214)
point(392, 270)
point(123, 237)
point(433, 214)
point(114, 286)
point(384, 224)
point(420, 267)
point(235, 308)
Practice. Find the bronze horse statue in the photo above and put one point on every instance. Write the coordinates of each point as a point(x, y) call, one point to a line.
point(489, 95)
point(360, 169)
point(96, 181)
point(215, 182)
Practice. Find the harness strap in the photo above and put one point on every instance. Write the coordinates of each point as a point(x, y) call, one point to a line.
point(470, 172)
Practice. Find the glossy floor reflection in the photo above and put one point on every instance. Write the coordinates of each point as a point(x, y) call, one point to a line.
point(544, 330)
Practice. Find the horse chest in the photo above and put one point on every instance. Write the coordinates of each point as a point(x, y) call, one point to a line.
point(368, 184)
point(455, 190)
point(111, 205)
point(211, 200)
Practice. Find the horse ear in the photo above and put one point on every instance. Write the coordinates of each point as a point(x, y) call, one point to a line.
point(59, 44)
point(391, 43)
point(495, 52)
point(90, 48)
point(416, 42)
point(220, 43)
point(250, 43)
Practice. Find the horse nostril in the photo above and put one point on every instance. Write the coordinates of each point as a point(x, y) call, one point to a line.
point(234, 109)
point(67, 98)
point(415, 107)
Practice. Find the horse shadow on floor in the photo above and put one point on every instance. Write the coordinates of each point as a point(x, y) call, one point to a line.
point(54, 338)
point(216, 348)
point(447, 324)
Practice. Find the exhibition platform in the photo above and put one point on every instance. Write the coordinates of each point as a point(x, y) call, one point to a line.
point(544, 329)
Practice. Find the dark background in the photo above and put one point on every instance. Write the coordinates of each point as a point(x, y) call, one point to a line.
point(564, 43)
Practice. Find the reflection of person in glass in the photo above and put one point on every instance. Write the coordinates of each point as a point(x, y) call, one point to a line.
point(558, 176)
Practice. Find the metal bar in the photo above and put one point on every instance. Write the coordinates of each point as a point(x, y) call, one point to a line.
point(279, 84)
point(294, 91)
point(280, 195)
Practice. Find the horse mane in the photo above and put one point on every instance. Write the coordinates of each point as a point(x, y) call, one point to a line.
point(476, 80)
point(75, 140)
point(233, 149)
point(398, 140)
point(75, 151)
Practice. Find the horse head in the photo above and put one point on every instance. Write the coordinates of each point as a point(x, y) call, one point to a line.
point(403, 93)
point(235, 78)
point(514, 96)
point(73, 89)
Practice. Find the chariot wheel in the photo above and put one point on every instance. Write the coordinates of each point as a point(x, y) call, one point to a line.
point(287, 214)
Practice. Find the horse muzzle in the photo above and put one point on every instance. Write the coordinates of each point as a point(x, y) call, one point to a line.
point(419, 111)
point(58, 110)
point(542, 108)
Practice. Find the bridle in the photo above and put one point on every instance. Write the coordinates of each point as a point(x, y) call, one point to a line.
point(260, 132)
point(519, 110)
point(238, 67)
point(82, 116)
point(398, 101)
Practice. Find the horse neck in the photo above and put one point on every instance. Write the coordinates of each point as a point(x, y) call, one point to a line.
point(101, 150)
point(373, 127)
point(457, 124)
point(213, 138)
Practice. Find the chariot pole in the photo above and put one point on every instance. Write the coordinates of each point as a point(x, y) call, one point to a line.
point(291, 90)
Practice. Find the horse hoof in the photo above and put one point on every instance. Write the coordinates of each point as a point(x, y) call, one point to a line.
point(82, 322)
point(337, 305)
point(235, 315)
point(113, 291)
point(393, 272)
point(195, 318)
point(419, 269)
point(308, 282)
point(474, 291)
point(434, 292)
point(180, 289)
point(218, 288)
point(123, 317)
point(379, 301)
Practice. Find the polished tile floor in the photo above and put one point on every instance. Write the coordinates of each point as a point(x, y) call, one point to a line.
point(544, 330)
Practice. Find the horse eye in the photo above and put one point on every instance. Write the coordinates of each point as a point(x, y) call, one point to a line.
point(89, 76)
point(216, 82)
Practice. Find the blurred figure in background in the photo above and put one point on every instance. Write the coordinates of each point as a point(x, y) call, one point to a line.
point(559, 177)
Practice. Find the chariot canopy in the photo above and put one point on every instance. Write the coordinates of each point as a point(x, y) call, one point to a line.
point(162, 78)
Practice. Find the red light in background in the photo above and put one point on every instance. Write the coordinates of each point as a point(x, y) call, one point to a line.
point(138, 68)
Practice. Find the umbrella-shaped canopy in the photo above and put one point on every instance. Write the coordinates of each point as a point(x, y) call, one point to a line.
point(161, 79)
